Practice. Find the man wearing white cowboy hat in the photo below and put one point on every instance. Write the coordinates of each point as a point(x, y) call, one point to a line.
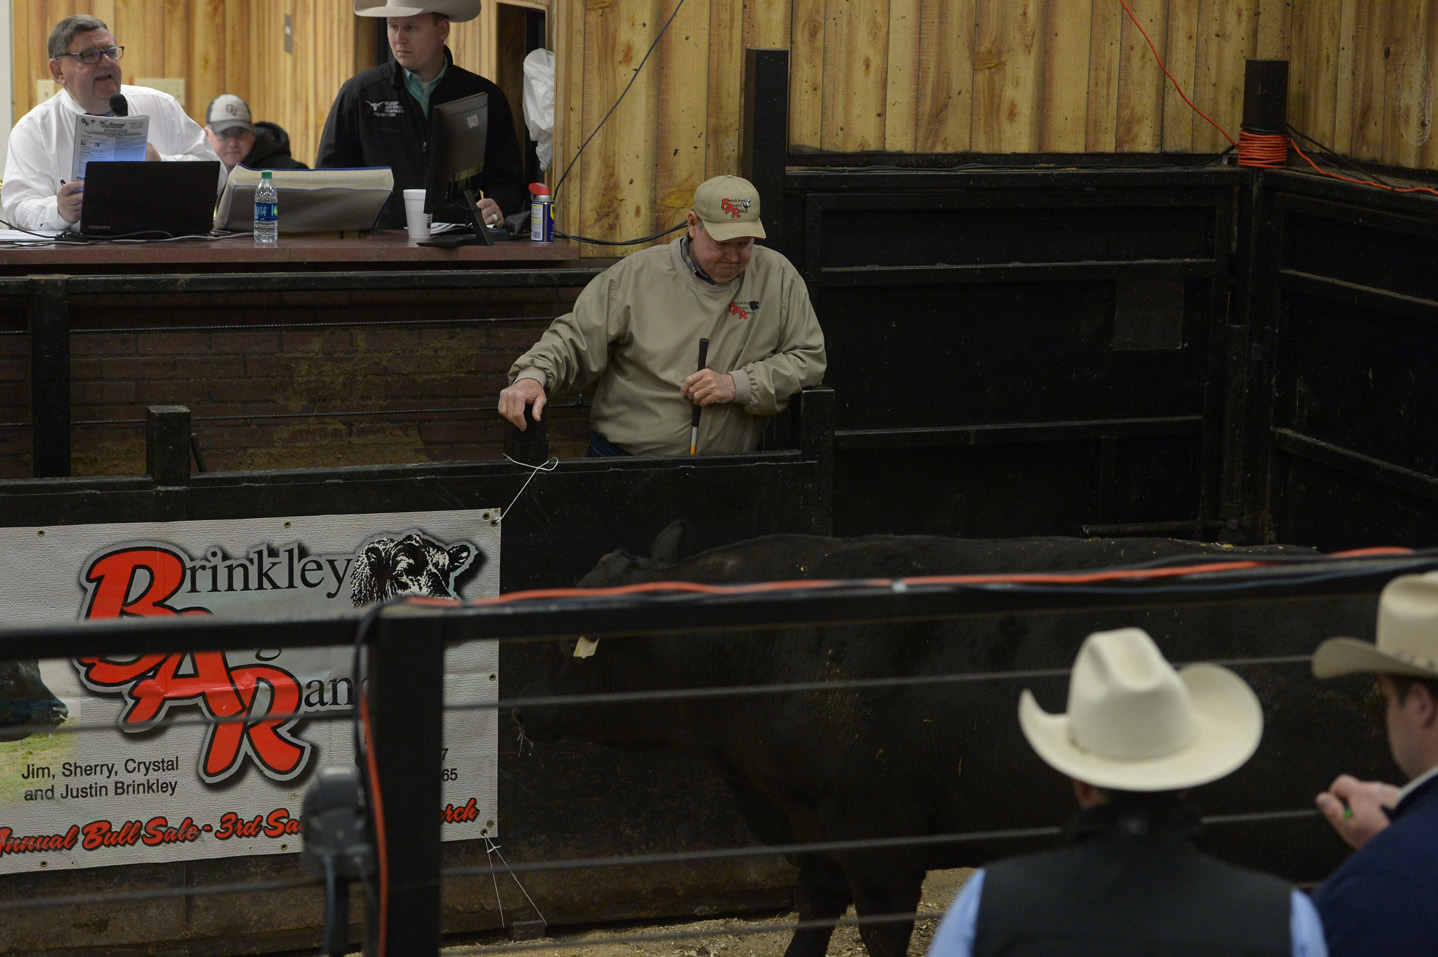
point(1136, 736)
point(380, 117)
point(1384, 898)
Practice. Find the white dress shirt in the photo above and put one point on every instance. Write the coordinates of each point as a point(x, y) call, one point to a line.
point(42, 147)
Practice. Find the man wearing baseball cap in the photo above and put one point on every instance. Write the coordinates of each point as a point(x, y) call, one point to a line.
point(1383, 900)
point(381, 116)
point(1137, 736)
point(634, 337)
point(238, 140)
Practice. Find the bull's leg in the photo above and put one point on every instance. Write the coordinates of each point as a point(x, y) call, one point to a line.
point(878, 891)
point(820, 894)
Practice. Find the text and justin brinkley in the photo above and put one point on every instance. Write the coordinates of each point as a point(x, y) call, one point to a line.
point(101, 779)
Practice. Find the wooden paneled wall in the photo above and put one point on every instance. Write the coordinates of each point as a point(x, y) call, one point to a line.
point(1363, 78)
point(983, 76)
point(296, 89)
point(945, 76)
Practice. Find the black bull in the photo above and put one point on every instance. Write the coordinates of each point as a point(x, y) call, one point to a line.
point(861, 764)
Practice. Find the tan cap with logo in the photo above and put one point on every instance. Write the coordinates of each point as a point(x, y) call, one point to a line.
point(728, 206)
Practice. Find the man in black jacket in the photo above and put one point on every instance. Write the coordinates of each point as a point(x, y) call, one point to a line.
point(381, 116)
point(1137, 735)
point(238, 140)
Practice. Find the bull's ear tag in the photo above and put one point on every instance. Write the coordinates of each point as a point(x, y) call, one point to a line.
point(585, 647)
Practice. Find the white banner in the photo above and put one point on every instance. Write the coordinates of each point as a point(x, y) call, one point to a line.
point(136, 769)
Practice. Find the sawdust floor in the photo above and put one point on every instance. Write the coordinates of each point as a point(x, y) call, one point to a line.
point(715, 937)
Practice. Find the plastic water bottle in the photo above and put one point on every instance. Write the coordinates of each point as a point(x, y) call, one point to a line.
point(267, 212)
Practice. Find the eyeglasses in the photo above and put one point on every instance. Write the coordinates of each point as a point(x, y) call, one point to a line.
point(234, 133)
point(92, 56)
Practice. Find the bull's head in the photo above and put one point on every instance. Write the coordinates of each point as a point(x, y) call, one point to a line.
point(414, 564)
point(26, 704)
point(578, 666)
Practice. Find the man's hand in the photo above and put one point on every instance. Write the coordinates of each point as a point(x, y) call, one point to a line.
point(513, 400)
point(152, 155)
point(68, 201)
point(492, 216)
point(707, 387)
point(1355, 808)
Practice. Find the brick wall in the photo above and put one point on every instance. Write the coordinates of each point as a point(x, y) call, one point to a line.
point(14, 392)
point(311, 379)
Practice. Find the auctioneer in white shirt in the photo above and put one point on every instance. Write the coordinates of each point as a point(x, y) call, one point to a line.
point(42, 145)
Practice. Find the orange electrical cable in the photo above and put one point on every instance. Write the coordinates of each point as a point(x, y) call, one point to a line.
point(1361, 182)
point(377, 814)
point(1164, 68)
point(1020, 578)
point(1264, 150)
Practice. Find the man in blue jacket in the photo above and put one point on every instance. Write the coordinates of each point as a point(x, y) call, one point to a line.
point(381, 116)
point(1384, 899)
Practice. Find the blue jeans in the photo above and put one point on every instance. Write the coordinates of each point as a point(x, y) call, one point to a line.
point(600, 446)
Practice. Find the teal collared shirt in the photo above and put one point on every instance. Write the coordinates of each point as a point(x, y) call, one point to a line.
point(421, 90)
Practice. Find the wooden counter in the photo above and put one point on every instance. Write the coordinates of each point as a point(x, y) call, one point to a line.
point(133, 317)
point(379, 249)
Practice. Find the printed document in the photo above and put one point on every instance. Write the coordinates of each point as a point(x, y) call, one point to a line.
point(108, 138)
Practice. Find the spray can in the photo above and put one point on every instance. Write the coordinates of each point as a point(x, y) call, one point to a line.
point(541, 214)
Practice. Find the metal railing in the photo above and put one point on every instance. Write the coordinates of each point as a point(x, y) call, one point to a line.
point(405, 643)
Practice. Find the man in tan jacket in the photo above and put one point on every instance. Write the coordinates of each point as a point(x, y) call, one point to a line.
point(635, 330)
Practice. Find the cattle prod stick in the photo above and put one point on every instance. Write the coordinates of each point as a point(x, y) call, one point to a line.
point(694, 423)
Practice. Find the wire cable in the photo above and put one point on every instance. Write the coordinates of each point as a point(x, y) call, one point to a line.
point(1164, 68)
point(579, 152)
point(1128, 574)
point(369, 777)
point(794, 849)
point(620, 242)
point(1336, 157)
point(1361, 182)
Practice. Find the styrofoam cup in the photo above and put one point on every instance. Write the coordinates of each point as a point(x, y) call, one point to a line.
point(415, 216)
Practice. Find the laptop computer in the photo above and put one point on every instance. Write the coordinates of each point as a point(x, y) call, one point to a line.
point(128, 198)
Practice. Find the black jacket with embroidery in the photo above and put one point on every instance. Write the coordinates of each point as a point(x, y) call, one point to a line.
point(376, 122)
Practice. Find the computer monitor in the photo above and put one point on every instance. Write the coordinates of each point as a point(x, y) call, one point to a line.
point(458, 131)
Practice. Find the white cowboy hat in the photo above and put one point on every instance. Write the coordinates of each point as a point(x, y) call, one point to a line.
point(457, 10)
point(1405, 640)
point(1135, 724)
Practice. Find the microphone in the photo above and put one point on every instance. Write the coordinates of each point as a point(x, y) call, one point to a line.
point(119, 106)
